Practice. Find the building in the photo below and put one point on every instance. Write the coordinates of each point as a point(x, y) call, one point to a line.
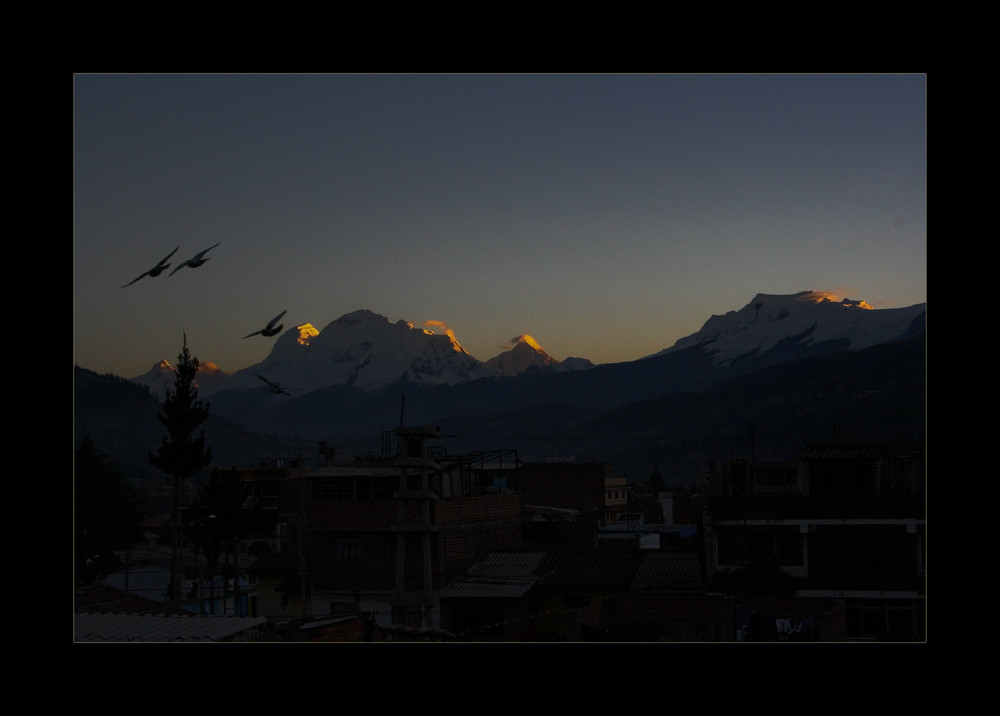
point(589, 488)
point(848, 524)
point(637, 596)
point(381, 537)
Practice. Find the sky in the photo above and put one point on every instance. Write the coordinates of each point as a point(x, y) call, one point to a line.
point(605, 215)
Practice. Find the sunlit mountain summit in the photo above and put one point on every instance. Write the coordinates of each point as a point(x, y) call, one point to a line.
point(806, 318)
point(161, 377)
point(350, 377)
point(524, 353)
point(364, 350)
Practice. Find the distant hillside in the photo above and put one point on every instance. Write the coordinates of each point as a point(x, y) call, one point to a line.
point(877, 395)
point(121, 419)
point(349, 378)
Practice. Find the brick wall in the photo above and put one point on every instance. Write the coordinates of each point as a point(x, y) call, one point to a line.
point(487, 508)
point(577, 486)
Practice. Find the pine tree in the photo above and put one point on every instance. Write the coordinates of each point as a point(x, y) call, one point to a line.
point(181, 453)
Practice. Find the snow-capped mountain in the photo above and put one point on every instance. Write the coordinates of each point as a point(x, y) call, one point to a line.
point(807, 318)
point(363, 350)
point(351, 377)
point(366, 351)
point(161, 377)
point(525, 354)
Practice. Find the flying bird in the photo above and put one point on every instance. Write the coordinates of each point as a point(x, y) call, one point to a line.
point(270, 329)
point(275, 388)
point(196, 260)
point(156, 270)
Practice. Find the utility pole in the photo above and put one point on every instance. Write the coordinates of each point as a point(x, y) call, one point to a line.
point(236, 577)
point(175, 548)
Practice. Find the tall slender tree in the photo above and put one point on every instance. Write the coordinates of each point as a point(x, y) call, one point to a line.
point(181, 453)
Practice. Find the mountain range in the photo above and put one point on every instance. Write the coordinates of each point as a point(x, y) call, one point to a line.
point(767, 362)
point(364, 350)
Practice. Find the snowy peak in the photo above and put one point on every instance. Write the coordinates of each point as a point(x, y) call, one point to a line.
point(161, 377)
point(524, 353)
point(365, 350)
point(805, 317)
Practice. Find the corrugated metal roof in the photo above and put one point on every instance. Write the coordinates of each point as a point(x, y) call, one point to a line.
point(585, 570)
point(508, 564)
point(669, 570)
point(513, 574)
point(501, 575)
point(841, 452)
point(476, 587)
point(147, 628)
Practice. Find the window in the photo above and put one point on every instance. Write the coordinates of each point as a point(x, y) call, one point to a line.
point(322, 488)
point(384, 486)
point(343, 488)
point(348, 548)
point(332, 488)
point(413, 618)
point(884, 619)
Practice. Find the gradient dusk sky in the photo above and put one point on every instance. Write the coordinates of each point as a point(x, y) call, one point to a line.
point(606, 215)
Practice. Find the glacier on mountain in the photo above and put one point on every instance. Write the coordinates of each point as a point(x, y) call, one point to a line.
point(811, 316)
point(364, 350)
point(367, 351)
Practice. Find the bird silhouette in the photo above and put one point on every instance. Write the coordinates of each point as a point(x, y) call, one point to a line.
point(270, 329)
point(275, 388)
point(156, 270)
point(196, 260)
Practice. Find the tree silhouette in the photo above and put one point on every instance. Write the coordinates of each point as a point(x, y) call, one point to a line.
point(106, 514)
point(181, 453)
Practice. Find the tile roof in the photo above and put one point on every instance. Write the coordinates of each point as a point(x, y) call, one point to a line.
point(102, 599)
